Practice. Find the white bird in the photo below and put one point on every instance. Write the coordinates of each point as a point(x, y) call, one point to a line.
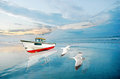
point(65, 50)
point(78, 60)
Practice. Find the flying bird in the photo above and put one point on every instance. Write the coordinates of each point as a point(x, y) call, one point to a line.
point(78, 60)
point(65, 50)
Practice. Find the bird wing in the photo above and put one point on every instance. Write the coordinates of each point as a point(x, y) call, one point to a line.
point(78, 59)
point(78, 62)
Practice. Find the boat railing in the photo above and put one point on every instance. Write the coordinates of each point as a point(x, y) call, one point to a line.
point(36, 42)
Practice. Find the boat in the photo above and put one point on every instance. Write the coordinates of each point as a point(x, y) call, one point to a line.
point(37, 46)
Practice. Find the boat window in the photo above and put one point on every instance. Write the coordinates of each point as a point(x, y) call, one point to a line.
point(37, 43)
point(37, 40)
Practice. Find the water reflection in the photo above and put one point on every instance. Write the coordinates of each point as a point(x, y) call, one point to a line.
point(34, 58)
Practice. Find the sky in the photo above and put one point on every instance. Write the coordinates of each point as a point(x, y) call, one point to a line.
point(30, 14)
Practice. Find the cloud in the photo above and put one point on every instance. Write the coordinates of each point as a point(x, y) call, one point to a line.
point(102, 17)
point(70, 9)
point(34, 15)
point(77, 25)
point(60, 12)
point(10, 21)
point(67, 9)
point(57, 13)
point(12, 11)
point(24, 32)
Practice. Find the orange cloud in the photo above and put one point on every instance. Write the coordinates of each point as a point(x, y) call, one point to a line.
point(24, 32)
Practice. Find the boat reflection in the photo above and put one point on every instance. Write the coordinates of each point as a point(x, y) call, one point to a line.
point(35, 57)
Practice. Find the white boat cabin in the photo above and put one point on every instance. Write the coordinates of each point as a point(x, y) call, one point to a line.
point(39, 40)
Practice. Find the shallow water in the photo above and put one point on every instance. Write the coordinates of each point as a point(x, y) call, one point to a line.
point(101, 59)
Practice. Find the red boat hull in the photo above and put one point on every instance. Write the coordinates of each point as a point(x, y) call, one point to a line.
point(39, 50)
